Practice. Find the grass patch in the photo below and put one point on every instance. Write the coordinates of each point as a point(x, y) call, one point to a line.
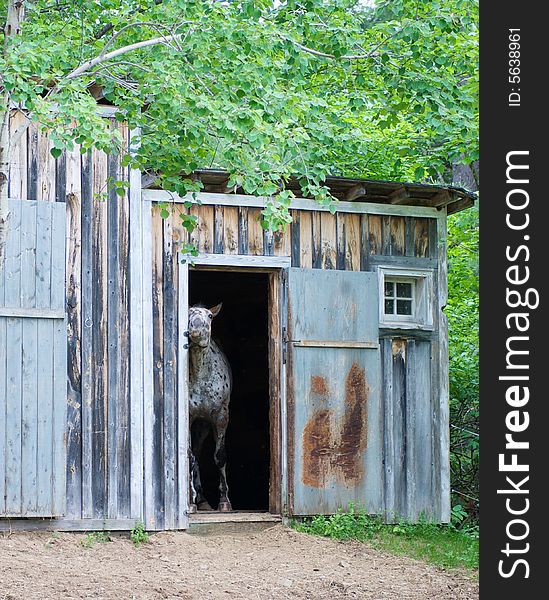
point(442, 545)
point(95, 537)
point(138, 535)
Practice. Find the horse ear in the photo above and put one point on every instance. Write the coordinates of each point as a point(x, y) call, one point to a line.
point(216, 309)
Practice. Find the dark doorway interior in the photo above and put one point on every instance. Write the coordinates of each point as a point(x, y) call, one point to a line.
point(241, 330)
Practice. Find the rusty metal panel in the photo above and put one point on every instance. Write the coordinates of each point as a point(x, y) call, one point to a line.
point(335, 428)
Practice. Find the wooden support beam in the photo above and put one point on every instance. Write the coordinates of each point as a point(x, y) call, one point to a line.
point(355, 192)
point(441, 199)
point(399, 196)
point(460, 204)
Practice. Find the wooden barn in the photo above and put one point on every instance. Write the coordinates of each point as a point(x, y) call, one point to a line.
point(334, 329)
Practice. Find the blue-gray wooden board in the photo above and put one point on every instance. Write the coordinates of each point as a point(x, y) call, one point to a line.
point(33, 362)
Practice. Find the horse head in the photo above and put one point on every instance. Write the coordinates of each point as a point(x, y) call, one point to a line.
point(200, 324)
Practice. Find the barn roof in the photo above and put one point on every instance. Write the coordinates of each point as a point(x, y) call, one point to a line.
point(366, 190)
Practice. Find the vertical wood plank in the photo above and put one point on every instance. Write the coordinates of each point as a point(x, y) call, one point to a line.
point(74, 340)
point(305, 240)
point(398, 244)
point(409, 235)
point(73, 177)
point(182, 397)
point(274, 391)
point(398, 348)
point(203, 234)
point(14, 341)
point(386, 235)
point(59, 339)
point(388, 425)
point(18, 164)
point(374, 234)
point(283, 241)
point(316, 240)
point(219, 230)
point(3, 403)
point(268, 242)
point(59, 415)
point(352, 242)
point(421, 237)
point(29, 353)
point(123, 443)
point(148, 369)
point(99, 340)
point(296, 238)
point(32, 162)
point(255, 232)
point(341, 242)
point(114, 396)
point(329, 240)
point(46, 168)
point(443, 381)
point(158, 371)
point(242, 230)
point(410, 432)
point(45, 372)
point(230, 227)
point(13, 457)
point(136, 265)
point(87, 336)
point(433, 245)
point(422, 408)
point(364, 242)
point(169, 365)
point(74, 357)
point(61, 177)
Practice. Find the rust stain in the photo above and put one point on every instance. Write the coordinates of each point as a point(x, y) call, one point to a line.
point(399, 349)
point(318, 385)
point(332, 451)
point(317, 437)
point(354, 430)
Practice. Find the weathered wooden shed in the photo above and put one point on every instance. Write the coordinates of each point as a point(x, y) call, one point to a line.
point(335, 331)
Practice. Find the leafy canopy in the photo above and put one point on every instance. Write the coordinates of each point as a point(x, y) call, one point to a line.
point(263, 89)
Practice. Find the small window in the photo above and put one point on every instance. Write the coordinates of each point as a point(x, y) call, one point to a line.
point(406, 297)
point(399, 297)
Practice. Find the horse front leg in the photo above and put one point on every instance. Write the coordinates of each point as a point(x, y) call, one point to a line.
point(220, 458)
point(193, 464)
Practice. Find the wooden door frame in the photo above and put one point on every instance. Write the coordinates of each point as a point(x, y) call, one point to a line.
point(275, 267)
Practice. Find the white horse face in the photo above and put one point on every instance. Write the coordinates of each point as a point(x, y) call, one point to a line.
point(200, 324)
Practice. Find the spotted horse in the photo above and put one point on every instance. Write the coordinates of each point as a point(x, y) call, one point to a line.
point(210, 385)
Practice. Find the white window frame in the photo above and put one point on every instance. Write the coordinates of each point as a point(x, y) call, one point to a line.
point(422, 281)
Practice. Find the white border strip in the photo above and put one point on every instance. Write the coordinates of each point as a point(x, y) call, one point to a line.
point(240, 260)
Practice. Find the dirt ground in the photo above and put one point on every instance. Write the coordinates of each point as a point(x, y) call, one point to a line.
point(276, 564)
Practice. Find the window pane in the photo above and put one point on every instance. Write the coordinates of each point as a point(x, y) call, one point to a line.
point(389, 307)
point(404, 307)
point(404, 290)
point(389, 288)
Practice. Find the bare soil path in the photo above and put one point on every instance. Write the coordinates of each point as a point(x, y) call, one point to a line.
point(276, 564)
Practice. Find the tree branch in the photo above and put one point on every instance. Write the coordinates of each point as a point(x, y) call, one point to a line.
point(89, 64)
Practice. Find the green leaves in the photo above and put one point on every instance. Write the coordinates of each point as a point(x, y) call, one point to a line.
point(243, 90)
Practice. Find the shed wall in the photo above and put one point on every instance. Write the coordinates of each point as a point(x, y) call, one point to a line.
point(111, 440)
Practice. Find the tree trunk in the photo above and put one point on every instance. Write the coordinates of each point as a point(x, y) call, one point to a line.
point(12, 28)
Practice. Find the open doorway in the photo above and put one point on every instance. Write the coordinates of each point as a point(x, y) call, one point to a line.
point(242, 330)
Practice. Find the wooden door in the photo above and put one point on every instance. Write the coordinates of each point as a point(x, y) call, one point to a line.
point(334, 406)
point(33, 361)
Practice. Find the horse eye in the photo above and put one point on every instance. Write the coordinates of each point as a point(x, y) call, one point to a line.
point(210, 316)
